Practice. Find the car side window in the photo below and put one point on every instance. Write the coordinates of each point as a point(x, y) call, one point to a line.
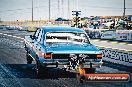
point(37, 33)
point(39, 36)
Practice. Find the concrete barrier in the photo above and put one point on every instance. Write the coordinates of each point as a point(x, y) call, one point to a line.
point(117, 56)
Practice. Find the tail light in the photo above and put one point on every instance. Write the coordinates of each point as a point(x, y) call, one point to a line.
point(47, 55)
point(99, 56)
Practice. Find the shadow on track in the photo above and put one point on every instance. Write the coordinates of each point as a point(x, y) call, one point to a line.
point(28, 71)
point(117, 66)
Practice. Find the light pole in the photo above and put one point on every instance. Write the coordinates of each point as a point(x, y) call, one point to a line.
point(124, 10)
point(32, 10)
point(68, 13)
point(49, 10)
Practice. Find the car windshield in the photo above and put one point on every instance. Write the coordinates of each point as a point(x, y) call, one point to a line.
point(66, 38)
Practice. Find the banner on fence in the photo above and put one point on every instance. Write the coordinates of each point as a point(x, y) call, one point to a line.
point(116, 56)
point(124, 35)
point(108, 35)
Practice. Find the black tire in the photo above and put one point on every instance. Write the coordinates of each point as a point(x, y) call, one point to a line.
point(29, 59)
point(41, 71)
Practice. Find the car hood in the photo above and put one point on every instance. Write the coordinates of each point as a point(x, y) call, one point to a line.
point(72, 48)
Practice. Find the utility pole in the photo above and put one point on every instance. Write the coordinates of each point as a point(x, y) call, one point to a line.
point(49, 10)
point(58, 8)
point(68, 14)
point(32, 10)
point(62, 15)
point(124, 10)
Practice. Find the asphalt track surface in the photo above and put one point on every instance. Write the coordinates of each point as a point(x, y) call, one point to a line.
point(14, 72)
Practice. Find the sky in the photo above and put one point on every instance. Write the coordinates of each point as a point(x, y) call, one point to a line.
point(11, 10)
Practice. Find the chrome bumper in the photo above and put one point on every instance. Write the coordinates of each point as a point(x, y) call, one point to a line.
point(62, 62)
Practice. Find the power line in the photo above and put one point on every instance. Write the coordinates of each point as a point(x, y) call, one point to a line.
point(20, 9)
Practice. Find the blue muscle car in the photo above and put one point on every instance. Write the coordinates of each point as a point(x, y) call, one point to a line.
point(65, 47)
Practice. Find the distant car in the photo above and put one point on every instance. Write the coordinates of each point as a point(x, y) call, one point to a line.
point(22, 28)
point(108, 24)
point(64, 47)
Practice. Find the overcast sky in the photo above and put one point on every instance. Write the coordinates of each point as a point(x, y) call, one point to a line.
point(21, 9)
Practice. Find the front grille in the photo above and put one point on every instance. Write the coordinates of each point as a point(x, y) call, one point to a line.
point(67, 56)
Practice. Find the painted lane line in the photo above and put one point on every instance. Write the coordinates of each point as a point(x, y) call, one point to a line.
point(5, 34)
point(9, 35)
point(100, 46)
point(108, 47)
point(113, 48)
point(129, 44)
point(103, 47)
point(122, 43)
point(103, 41)
point(114, 42)
point(22, 41)
point(118, 43)
point(96, 40)
point(14, 36)
point(22, 38)
point(129, 50)
point(18, 37)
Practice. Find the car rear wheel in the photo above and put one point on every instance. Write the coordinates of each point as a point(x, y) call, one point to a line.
point(29, 59)
point(40, 70)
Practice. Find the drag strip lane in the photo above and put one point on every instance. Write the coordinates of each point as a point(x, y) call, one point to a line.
point(14, 80)
point(17, 73)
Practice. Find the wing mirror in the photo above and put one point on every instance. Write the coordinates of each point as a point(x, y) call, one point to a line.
point(32, 37)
